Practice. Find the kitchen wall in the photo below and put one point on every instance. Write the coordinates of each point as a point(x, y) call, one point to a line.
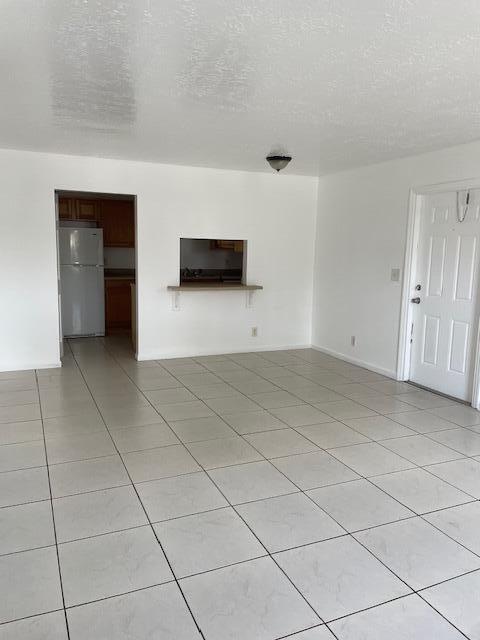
point(360, 236)
point(275, 213)
point(119, 257)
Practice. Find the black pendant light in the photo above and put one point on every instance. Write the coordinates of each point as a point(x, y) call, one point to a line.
point(278, 162)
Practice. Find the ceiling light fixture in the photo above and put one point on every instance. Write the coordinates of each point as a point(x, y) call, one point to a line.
point(278, 162)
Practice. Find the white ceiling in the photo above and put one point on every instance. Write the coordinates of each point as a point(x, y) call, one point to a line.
point(220, 83)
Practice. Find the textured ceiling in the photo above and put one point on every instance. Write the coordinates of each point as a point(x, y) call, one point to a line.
point(336, 83)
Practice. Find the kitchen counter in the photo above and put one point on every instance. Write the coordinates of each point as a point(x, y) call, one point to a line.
point(119, 274)
point(214, 286)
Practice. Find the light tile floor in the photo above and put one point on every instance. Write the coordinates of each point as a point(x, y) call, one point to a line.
point(252, 496)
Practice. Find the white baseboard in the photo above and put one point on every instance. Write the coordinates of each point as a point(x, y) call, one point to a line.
point(389, 373)
point(156, 355)
point(28, 366)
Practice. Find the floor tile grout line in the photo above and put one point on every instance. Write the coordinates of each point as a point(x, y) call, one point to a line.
point(21, 504)
point(53, 519)
point(38, 466)
point(419, 594)
point(33, 615)
point(19, 551)
point(302, 631)
point(140, 500)
point(120, 594)
point(402, 597)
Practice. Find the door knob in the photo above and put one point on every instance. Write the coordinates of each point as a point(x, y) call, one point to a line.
point(415, 300)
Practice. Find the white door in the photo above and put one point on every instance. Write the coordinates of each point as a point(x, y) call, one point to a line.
point(445, 301)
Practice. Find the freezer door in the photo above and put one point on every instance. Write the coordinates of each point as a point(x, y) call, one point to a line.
point(83, 303)
point(81, 246)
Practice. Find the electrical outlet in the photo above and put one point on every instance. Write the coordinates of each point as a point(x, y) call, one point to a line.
point(353, 341)
point(254, 332)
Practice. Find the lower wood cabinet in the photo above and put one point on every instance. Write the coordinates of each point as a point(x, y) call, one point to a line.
point(118, 305)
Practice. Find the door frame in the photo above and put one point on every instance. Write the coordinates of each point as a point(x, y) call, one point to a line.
point(410, 268)
point(94, 194)
point(59, 282)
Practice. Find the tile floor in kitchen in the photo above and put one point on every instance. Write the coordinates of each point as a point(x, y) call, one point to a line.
point(249, 496)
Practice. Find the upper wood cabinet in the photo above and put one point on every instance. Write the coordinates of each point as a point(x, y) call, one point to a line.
point(115, 217)
point(66, 209)
point(78, 209)
point(118, 221)
point(87, 209)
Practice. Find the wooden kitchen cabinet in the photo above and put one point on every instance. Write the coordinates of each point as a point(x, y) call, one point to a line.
point(77, 209)
point(230, 245)
point(117, 219)
point(118, 305)
point(66, 208)
point(87, 209)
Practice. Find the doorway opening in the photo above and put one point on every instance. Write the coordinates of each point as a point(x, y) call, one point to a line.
point(439, 331)
point(97, 266)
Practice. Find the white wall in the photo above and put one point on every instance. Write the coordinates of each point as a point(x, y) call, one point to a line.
point(275, 213)
point(361, 235)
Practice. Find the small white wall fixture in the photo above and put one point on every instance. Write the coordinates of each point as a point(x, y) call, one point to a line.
point(249, 290)
point(409, 281)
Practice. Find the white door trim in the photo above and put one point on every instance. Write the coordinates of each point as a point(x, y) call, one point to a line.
point(59, 292)
point(410, 265)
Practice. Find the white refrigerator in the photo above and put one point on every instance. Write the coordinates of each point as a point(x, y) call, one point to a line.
point(82, 281)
